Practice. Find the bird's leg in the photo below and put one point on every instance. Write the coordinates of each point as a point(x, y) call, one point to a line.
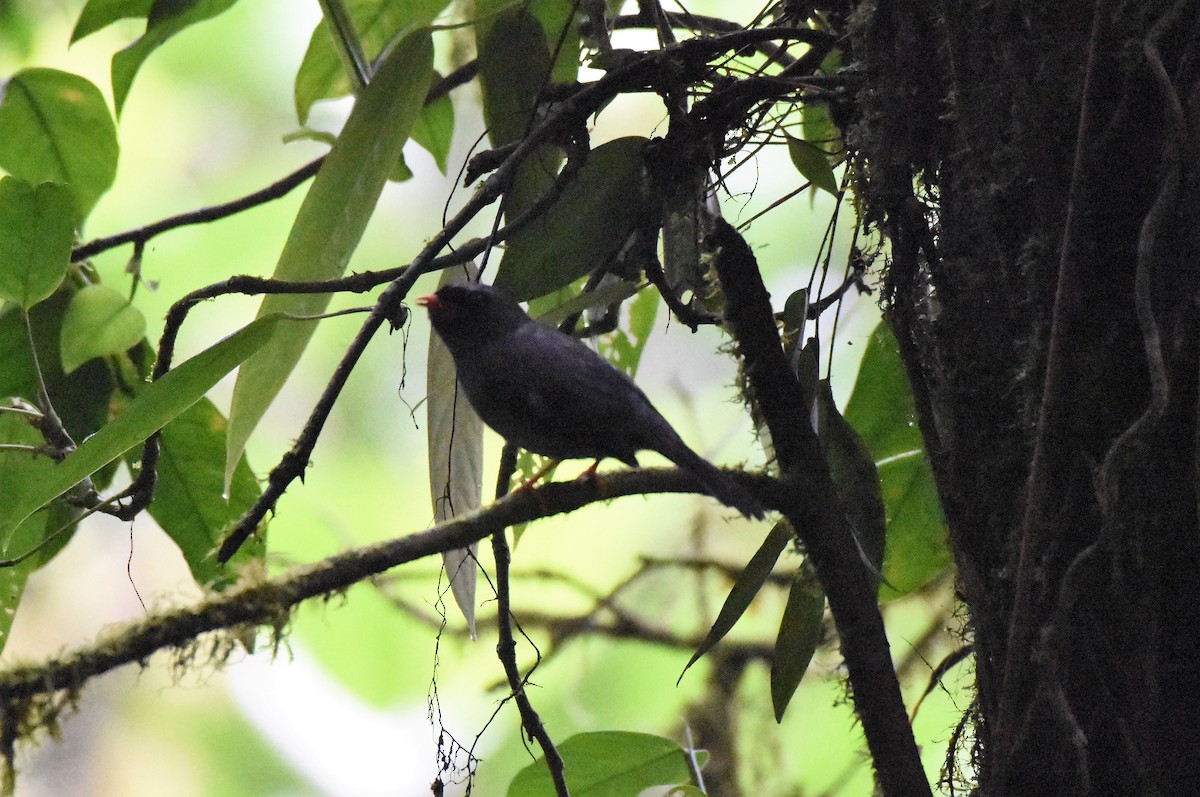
point(590, 475)
point(537, 477)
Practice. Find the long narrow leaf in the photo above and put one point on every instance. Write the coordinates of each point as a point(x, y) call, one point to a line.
point(799, 635)
point(376, 22)
point(330, 223)
point(755, 574)
point(855, 476)
point(455, 435)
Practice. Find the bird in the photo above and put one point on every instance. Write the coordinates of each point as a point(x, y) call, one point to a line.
point(548, 393)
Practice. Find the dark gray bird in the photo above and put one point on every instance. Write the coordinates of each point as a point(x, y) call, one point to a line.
point(548, 393)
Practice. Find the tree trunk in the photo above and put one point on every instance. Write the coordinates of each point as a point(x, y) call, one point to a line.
point(1034, 167)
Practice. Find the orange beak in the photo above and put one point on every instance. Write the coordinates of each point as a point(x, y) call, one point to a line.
point(429, 302)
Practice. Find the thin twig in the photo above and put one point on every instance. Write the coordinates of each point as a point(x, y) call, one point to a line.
point(506, 645)
point(506, 651)
point(346, 43)
point(275, 190)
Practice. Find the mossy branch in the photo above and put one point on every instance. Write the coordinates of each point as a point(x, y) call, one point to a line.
point(33, 696)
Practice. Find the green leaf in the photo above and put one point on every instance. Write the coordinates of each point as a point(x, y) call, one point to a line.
point(795, 319)
point(99, 14)
point(164, 19)
point(754, 575)
point(18, 22)
point(918, 549)
point(818, 129)
point(434, 130)
point(188, 502)
point(55, 127)
point(81, 398)
point(331, 221)
point(36, 231)
point(854, 475)
point(551, 309)
point(624, 349)
point(514, 70)
point(16, 469)
point(156, 405)
point(62, 521)
point(12, 579)
point(377, 22)
point(584, 228)
point(881, 404)
point(400, 172)
point(554, 308)
point(799, 635)
point(552, 15)
point(813, 164)
point(20, 467)
point(99, 322)
point(881, 409)
point(561, 24)
point(608, 764)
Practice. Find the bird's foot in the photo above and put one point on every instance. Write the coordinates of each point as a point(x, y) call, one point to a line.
point(590, 475)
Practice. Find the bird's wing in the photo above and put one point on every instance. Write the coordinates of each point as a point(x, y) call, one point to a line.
point(570, 403)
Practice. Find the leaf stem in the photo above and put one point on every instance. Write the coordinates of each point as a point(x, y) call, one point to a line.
point(347, 44)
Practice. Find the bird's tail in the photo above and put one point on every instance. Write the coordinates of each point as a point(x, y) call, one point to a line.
point(717, 482)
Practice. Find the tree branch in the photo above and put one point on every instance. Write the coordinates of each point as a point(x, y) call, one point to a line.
point(822, 526)
point(270, 602)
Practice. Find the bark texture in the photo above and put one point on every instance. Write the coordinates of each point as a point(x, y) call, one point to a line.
point(1035, 166)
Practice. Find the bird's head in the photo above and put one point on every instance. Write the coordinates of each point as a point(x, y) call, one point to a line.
point(472, 312)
